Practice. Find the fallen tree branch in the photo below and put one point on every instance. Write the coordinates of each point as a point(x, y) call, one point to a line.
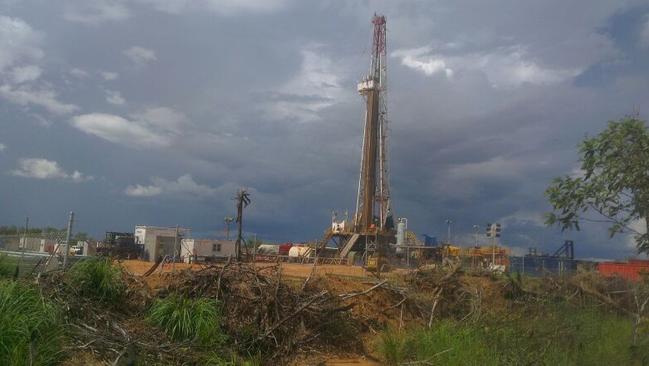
point(364, 292)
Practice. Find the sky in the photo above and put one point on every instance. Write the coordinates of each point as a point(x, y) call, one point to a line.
point(154, 112)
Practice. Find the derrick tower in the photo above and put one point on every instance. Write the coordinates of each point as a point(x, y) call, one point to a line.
point(373, 199)
point(371, 228)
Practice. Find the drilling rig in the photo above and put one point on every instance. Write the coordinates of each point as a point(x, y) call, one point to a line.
point(372, 226)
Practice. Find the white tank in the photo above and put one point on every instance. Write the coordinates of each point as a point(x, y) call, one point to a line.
point(401, 232)
point(268, 249)
point(299, 252)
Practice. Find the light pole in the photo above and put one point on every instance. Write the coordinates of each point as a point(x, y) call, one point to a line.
point(449, 222)
point(476, 230)
point(228, 220)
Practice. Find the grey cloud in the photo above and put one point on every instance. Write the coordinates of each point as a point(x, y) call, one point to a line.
point(21, 74)
point(79, 73)
point(95, 12)
point(268, 101)
point(109, 76)
point(114, 97)
point(222, 7)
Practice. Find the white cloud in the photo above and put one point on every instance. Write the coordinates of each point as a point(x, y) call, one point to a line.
point(46, 169)
point(114, 97)
point(119, 130)
point(18, 42)
point(317, 85)
point(140, 55)
point(185, 184)
point(21, 74)
point(143, 191)
point(95, 12)
point(3, 147)
point(108, 76)
point(79, 73)
point(504, 67)
point(417, 59)
point(40, 96)
point(152, 127)
point(19, 49)
point(221, 7)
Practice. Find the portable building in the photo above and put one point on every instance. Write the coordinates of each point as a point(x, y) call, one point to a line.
point(194, 250)
point(160, 241)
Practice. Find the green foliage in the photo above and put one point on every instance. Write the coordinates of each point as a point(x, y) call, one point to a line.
point(614, 184)
point(30, 332)
point(215, 359)
point(548, 335)
point(7, 266)
point(184, 318)
point(15, 230)
point(99, 279)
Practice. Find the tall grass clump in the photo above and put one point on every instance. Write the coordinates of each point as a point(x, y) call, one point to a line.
point(183, 318)
point(98, 278)
point(30, 332)
point(6, 267)
point(544, 334)
point(448, 343)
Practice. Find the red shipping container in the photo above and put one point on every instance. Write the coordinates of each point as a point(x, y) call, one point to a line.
point(284, 248)
point(628, 270)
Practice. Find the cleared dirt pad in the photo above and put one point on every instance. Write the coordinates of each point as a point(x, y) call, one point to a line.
point(288, 269)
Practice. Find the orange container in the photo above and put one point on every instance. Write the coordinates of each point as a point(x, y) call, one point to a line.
point(629, 270)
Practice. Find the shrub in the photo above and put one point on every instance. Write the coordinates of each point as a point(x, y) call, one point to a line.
point(184, 318)
point(29, 329)
point(98, 278)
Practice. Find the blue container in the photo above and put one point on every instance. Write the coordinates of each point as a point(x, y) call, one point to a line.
point(430, 241)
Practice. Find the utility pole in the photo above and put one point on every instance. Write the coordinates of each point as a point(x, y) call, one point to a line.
point(67, 240)
point(243, 200)
point(173, 263)
point(22, 252)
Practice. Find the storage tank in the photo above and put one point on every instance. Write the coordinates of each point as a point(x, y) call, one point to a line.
point(268, 249)
point(296, 252)
point(401, 234)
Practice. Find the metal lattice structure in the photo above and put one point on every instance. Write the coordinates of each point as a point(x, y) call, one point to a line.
point(373, 199)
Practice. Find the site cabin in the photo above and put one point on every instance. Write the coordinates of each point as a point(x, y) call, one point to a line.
point(160, 241)
point(205, 250)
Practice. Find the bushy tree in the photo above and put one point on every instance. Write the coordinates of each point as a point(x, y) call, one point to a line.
point(614, 182)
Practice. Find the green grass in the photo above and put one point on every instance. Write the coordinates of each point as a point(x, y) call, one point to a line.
point(215, 359)
point(30, 332)
point(183, 318)
point(544, 335)
point(7, 266)
point(98, 278)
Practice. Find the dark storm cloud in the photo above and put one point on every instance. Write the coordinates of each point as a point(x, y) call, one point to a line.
point(172, 105)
